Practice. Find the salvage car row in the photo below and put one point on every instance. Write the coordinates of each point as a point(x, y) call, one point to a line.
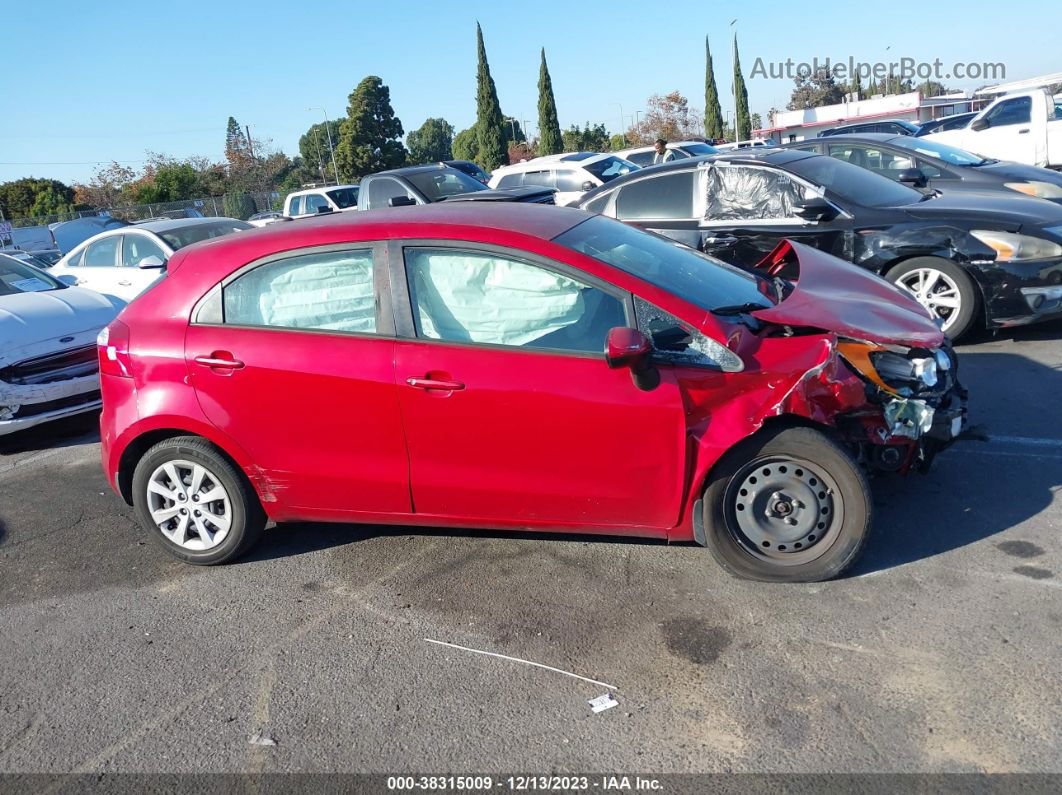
point(728, 373)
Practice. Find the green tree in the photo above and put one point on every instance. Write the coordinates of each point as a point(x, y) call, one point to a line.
point(815, 90)
point(369, 135)
point(236, 145)
point(549, 141)
point(713, 114)
point(742, 120)
point(490, 123)
point(587, 139)
point(50, 202)
point(669, 117)
point(315, 150)
point(617, 142)
point(431, 142)
point(465, 146)
point(169, 181)
point(856, 88)
point(238, 205)
point(19, 197)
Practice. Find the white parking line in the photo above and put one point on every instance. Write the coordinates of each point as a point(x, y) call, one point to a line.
point(1026, 440)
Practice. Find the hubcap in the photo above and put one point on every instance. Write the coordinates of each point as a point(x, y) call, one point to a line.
point(189, 505)
point(934, 290)
point(784, 510)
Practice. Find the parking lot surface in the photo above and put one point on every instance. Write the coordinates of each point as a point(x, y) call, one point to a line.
point(939, 653)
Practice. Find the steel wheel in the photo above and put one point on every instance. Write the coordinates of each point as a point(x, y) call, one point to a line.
point(936, 291)
point(783, 510)
point(189, 505)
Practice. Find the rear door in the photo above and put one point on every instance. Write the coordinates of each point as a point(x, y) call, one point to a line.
point(293, 358)
point(511, 414)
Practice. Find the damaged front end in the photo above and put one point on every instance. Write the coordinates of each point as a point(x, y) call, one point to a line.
point(910, 405)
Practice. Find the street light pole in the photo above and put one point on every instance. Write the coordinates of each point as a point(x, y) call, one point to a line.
point(623, 136)
point(331, 149)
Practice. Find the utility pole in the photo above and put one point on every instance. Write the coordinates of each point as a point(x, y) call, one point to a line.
point(250, 146)
point(623, 137)
point(328, 130)
point(317, 148)
point(512, 125)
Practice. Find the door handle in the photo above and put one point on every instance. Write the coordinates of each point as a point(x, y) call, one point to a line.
point(125, 283)
point(219, 362)
point(435, 383)
point(1023, 132)
point(713, 240)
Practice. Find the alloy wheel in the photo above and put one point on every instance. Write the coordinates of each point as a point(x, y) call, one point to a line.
point(783, 510)
point(189, 505)
point(936, 291)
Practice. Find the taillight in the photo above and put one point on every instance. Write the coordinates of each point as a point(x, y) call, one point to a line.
point(113, 345)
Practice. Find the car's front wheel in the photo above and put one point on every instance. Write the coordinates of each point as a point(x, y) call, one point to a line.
point(787, 505)
point(943, 288)
point(195, 503)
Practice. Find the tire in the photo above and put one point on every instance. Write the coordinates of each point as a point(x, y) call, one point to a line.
point(784, 474)
point(201, 532)
point(942, 279)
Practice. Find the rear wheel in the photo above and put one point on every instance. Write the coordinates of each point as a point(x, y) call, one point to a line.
point(943, 288)
point(787, 505)
point(195, 503)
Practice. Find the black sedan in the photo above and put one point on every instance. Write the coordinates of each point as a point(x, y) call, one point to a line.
point(438, 182)
point(995, 257)
point(922, 163)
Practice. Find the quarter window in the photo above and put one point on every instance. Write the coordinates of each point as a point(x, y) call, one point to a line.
point(329, 291)
point(666, 197)
point(102, 253)
point(295, 207)
point(470, 296)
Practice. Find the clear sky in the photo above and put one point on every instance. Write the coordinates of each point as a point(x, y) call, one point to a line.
point(106, 81)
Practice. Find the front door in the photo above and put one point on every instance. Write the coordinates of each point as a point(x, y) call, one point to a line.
point(292, 361)
point(1010, 134)
point(511, 414)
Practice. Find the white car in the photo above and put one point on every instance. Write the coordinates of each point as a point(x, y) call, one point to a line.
point(48, 361)
point(571, 174)
point(643, 155)
point(124, 262)
point(337, 198)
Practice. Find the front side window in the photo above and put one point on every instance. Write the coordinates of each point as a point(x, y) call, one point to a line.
point(438, 185)
point(749, 193)
point(1012, 111)
point(314, 203)
point(666, 197)
point(344, 197)
point(327, 291)
point(641, 158)
point(136, 248)
point(609, 168)
point(472, 296)
point(880, 161)
point(542, 179)
point(511, 181)
point(182, 236)
point(102, 253)
point(853, 184)
point(382, 190)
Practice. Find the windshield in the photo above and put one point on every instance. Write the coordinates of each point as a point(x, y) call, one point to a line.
point(609, 168)
point(696, 150)
point(17, 277)
point(682, 271)
point(344, 197)
point(186, 235)
point(437, 185)
point(949, 154)
point(853, 183)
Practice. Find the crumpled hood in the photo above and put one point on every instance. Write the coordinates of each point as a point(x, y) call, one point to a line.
point(26, 318)
point(838, 296)
point(996, 208)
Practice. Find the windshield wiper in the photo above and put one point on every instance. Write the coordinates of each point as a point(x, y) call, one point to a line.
point(738, 309)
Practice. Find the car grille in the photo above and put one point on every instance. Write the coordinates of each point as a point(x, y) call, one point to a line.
point(33, 409)
point(74, 363)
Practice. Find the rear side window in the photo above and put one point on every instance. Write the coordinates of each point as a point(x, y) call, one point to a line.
point(641, 158)
point(665, 197)
point(510, 181)
point(329, 291)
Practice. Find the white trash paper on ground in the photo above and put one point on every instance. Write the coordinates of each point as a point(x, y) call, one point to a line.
point(601, 703)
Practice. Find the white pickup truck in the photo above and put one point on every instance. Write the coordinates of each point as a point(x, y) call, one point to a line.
point(1025, 127)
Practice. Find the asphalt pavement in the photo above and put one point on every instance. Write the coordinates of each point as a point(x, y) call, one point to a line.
point(939, 653)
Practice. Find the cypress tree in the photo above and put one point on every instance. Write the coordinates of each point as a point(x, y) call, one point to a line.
point(549, 133)
point(370, 135)
point(490, 134)
point(742, 121)
point(713, 114)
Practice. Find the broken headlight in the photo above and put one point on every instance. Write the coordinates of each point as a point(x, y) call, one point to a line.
point(899, 371)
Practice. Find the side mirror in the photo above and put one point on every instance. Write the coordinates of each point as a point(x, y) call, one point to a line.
point(980, 124)
point(401, 201)
point(914, 177)
point(68, 278)
point(588, 185)
point(628, 347)
point(154, 261)
point(816, 209)
point(324, 208)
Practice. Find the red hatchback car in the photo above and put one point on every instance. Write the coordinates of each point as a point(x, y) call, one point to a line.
point(518, 366)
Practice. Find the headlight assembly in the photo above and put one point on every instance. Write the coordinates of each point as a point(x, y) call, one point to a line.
point(1041, 190)
point(895, 372)
point(1012, 247)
